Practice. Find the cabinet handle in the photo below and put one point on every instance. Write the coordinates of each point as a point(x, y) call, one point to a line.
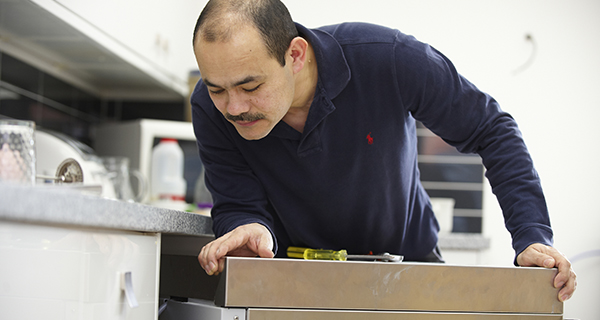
point(127, 286)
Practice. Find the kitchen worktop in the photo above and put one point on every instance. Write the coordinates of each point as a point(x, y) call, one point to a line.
point(463, 241)
point(63, 205)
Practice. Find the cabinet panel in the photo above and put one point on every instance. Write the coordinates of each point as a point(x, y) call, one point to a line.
point(62, 273)
point(158, 31)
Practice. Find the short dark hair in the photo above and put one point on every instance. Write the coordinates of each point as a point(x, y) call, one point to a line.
point(270, 17)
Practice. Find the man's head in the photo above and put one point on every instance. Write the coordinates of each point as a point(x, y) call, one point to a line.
point(220, 18)
point(249, 56)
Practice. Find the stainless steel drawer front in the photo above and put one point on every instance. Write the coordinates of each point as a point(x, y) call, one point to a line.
point(345, 285)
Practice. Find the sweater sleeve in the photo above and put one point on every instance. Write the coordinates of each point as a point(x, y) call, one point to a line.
point(472, 121)
point(238, 196)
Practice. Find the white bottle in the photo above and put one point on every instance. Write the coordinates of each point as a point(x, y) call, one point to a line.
point(168, 187)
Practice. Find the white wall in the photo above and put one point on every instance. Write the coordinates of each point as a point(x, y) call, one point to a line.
point(555, 100)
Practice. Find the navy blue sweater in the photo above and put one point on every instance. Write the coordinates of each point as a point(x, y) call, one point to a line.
point(350, 180)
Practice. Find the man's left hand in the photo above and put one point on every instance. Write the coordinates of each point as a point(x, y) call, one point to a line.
point(539, 255)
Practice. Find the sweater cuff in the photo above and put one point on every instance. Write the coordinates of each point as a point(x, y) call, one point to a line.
point(530, 236)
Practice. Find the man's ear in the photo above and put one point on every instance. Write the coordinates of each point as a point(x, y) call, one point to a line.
point(298, 51)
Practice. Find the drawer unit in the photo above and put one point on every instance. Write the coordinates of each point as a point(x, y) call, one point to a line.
point(56, 272)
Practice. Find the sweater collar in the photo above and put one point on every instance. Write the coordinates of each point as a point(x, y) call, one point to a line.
point(334, 75)
point(334, 72)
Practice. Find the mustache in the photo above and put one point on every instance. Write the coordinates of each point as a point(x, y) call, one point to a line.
point(248, 117)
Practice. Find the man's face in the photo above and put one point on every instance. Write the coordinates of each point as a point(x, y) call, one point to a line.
point(249, 87)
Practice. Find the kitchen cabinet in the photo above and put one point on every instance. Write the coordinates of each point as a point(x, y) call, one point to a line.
point(55, 272)
point(113, 49)
point(65, 254)
point(157, 31)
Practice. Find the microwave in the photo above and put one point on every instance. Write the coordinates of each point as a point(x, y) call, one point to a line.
point(136, 139)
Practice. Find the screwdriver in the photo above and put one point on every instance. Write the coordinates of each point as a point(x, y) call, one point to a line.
point(341, 255)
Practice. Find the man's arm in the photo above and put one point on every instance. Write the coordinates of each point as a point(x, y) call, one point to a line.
point(473, 122)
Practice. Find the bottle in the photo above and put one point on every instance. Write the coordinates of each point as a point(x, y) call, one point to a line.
point(167, 185)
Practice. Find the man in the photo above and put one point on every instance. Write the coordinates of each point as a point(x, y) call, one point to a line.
point(308, 139)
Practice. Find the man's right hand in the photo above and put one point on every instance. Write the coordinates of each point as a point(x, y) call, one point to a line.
point(249, 240)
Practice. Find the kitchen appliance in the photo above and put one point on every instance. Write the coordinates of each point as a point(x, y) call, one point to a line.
point(136, 139)
point(59, 155)
point(69, 171)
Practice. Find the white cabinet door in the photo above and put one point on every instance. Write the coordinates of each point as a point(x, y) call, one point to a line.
point(156, 30)
point(52, 273)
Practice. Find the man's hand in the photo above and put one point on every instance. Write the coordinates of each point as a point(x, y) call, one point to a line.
point(539, 255)
point(249, 240)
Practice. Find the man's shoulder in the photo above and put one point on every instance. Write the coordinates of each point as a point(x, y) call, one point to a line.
point(361, 32)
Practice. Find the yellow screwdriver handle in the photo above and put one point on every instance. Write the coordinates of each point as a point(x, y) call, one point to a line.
point(316, 254)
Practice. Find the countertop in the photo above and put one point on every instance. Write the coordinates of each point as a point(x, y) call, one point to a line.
point(62, 205)
point(463, 241)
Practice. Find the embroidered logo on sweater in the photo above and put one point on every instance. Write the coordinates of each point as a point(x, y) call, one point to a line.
point(369, 138)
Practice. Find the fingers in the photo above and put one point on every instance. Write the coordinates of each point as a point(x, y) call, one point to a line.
point(248, 240)
point(264, 246)
point(209, 258)
point(569, 288)
point(212, 255)
point(566, 277)
point(544, 256)
point(221, 266)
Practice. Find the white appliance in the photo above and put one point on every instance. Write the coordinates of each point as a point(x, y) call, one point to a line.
point(135, 140)
point(52, 148)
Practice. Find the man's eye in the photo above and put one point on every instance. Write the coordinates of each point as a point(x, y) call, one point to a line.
point(252, 89)
point(216, 91)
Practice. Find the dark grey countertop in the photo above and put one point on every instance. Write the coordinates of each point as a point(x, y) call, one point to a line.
point(463, 241)
point(62, 205)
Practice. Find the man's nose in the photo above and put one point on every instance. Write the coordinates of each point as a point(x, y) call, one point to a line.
point(237, 104)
